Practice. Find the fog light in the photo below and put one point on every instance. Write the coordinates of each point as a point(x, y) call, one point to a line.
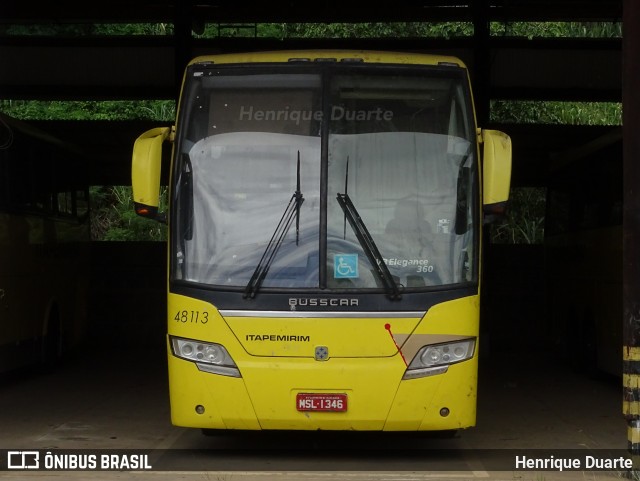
point(187, 350)
point(200, 409)
point(444, 412)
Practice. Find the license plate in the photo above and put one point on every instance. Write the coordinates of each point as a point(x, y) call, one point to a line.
point(321, 402)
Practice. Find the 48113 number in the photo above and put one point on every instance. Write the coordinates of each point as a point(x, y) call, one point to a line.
point(192, 317)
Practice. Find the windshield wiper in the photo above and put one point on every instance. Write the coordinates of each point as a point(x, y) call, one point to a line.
point(462, 195)
point(368, 244)
point(293, 209)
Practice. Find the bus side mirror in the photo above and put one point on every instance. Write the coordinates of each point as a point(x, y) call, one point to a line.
point(145, 172)
point(496, 173)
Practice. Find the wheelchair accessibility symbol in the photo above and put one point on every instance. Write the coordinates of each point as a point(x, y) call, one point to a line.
point(345, 266)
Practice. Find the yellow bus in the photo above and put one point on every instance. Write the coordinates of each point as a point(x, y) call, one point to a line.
point(44, 242)
point(325, 222)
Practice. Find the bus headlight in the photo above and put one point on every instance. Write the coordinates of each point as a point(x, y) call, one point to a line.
point(436, 358)
point(207, 356)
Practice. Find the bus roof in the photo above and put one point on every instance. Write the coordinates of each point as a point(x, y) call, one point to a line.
point(339, 55)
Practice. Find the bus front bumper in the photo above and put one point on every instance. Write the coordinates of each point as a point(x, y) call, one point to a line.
point(265, 397)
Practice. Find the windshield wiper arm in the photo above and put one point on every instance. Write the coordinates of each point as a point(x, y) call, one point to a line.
point(299, 199)
point(293, 208)
point(369, 246)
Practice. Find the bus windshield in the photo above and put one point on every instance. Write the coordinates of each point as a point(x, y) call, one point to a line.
point(265, 153)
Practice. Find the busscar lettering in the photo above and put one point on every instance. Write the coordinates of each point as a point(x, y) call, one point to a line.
point(277, 338)
point(322, 302)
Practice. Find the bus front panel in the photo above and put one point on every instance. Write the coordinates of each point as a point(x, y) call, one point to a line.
point(364, 360)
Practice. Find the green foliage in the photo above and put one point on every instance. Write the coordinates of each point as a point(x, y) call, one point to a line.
point(548, 112)
point(557, 29)
point(524, 223)
point(325, 30)
point(87, 29)
point(340, 30)
point(151, 29)
point(160, 110)
point(114, 219)
point(375, 30)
